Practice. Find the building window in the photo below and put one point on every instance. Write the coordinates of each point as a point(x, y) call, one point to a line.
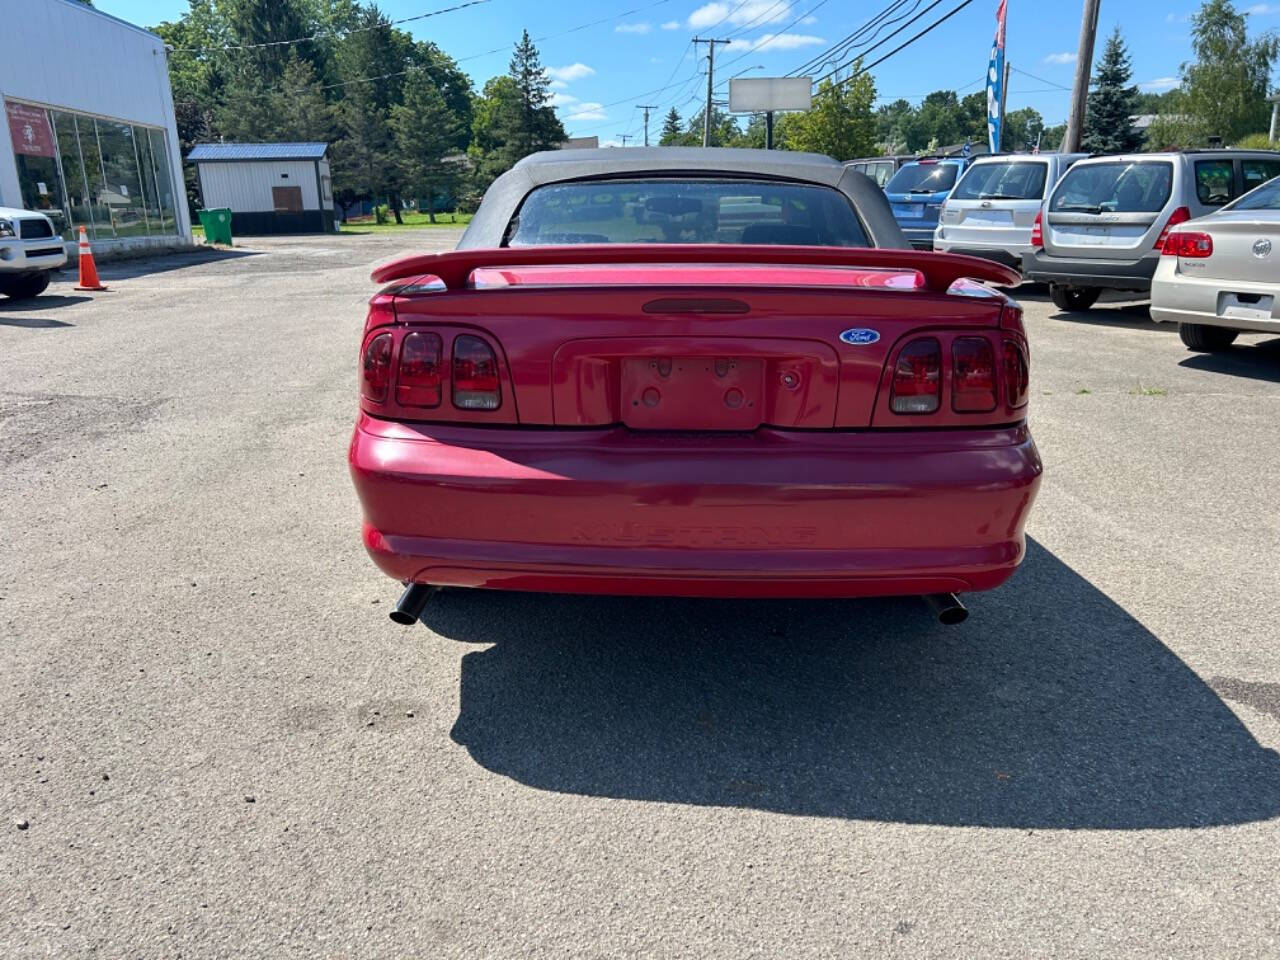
point(111, 178)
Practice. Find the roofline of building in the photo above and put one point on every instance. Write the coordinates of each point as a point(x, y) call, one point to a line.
point(101, 13)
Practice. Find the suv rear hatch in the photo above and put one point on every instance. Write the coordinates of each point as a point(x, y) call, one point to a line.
point(917, 190)
point(995, 204)
point(1112, 209)
point(701, 338)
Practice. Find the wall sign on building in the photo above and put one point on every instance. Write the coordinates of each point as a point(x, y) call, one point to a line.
point(29, 128)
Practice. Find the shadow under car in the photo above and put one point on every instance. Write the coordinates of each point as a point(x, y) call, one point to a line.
point(1050, 708)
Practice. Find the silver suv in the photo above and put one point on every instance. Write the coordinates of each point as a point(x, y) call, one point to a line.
point(991, 211)
point(1104, 224)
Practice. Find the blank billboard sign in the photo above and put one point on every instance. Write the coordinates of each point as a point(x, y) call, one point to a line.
point(762, 94)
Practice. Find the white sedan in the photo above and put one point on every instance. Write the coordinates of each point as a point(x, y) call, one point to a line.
point(1220, 274)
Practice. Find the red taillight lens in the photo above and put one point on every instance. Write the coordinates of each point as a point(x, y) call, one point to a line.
point(1037, 231)
point(1195, 246)
point(1181, 215)
point(973, 380)
point(418, 379)
point(475, 375)
point(1017, 377)
point(375, 368)
point(917, 378)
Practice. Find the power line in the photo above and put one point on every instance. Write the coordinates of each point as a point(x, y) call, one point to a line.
point(902, 46)
point(331, 34)
point(1039, 79)
point(838, 49)
point(760, 46)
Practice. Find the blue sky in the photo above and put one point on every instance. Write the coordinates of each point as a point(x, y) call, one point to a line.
point(641, 52)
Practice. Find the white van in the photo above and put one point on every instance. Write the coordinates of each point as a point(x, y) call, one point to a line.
point(993, 208)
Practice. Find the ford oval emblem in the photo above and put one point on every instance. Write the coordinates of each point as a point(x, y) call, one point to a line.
point(860, 336)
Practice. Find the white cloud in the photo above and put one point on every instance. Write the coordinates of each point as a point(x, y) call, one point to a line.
point(559, 99)
point(574, 71)
point(1263, 9)
point(588, 111)
point(641, 27)
point(781, 41)
point(740, 12)
point(1064, 57)
point(1177, 17)
point(671, 25)
point(558, 85)
point(809, 21)
point(1159, 83)
point(655, 59)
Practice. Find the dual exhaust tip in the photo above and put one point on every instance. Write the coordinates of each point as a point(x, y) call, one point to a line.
point(408, 609)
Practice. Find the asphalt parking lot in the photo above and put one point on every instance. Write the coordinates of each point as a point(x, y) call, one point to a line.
point(219, 745)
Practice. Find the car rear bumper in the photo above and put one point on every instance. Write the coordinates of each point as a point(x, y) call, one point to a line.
point(921, 237)
point(1010, 257)
point(1179, 298)
point(767, 514)
point(1041, 267)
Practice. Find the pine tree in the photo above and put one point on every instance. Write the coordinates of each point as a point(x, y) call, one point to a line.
point(1108, 123)
point(536, 126)
point(425, 131)
point(670, 128)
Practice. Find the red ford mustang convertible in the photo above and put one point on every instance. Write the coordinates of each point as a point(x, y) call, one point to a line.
point(681, 372)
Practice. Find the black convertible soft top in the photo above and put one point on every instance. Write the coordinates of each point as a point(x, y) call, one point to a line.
point(507, 193)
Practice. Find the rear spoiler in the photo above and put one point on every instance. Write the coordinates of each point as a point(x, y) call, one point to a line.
point(940, 270)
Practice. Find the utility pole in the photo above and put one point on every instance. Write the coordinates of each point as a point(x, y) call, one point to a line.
point(646, 107)
point(711, 69)
point(1080, 91)
point(624, 137)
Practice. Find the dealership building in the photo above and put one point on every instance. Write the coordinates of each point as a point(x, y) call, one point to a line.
point(89, 137)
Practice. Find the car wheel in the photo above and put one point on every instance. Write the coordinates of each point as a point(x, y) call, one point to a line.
point(24, 286)
point(1073, 298)
point(1206, 339)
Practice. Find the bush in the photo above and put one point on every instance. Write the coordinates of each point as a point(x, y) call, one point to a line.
point(1258, 141)
point(380, 213)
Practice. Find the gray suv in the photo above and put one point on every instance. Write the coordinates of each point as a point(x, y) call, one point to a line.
point(1104, 224)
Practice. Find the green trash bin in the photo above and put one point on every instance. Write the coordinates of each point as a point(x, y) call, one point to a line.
point(217, 225)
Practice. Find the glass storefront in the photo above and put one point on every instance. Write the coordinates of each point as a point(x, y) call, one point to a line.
point(111, 178)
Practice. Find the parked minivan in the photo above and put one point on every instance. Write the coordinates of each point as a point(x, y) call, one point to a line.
point(992, 209)
point(880, 169)
point(1105, 223)
point(916, 193)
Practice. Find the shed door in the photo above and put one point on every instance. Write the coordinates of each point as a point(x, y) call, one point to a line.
point(287, 202)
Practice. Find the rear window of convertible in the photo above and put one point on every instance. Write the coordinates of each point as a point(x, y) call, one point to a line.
point(669, 210)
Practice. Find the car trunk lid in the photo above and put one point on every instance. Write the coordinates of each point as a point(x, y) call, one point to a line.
point(1245, 248)
point(693, 346)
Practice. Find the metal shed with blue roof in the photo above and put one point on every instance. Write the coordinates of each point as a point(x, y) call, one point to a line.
point(269, 187)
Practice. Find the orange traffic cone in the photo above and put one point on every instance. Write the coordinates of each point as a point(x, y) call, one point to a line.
point(88, 269)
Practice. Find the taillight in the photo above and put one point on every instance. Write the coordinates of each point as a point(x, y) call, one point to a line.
point(375, 368)
point(418, 378)
point(917, 378)
point(1181, 215)
point(973, 380)
point(1017, 376)
point(475, 375)
point(1195, 246)
point(1037, 231)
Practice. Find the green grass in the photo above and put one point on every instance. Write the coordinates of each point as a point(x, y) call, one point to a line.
point(1082, 391)
point(412, 221)
point(1144, 391)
